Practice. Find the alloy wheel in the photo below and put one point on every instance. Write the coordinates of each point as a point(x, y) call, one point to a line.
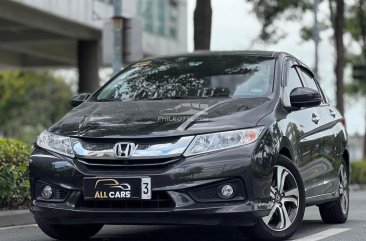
point(285, 198)
point(343, 189)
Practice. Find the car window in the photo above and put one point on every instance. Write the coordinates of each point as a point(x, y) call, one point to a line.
point(311, 83)
point(292, 81)
point(192, 77)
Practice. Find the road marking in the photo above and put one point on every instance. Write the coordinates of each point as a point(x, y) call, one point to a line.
point(19, 226)
point(322, 235)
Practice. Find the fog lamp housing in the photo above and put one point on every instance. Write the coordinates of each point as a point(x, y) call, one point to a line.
point(226, 191)
point(46, 192)
point(216, 192)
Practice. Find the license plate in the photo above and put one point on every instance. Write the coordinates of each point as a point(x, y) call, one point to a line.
point(117, 188)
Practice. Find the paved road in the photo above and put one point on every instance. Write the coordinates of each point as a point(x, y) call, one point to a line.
point(312, 229)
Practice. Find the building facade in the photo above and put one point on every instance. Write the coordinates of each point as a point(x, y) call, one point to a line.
point(68, 33)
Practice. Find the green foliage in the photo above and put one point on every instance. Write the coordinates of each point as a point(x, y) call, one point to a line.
point(356, 26)
point(356, 88)
point(14, 182)
point(356, 21)
point(268, 11)
point(358, 175)
point(30, 102)
point(306, 32)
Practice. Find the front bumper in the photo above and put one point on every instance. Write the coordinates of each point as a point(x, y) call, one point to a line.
point(245, 164)
point(232, 215)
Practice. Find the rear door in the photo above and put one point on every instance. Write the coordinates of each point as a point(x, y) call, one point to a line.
point(302, 130)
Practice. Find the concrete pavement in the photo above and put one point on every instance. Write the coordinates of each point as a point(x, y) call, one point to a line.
point(15, 217)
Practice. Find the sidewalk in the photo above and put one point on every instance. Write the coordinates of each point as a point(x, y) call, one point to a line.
point(15, 217)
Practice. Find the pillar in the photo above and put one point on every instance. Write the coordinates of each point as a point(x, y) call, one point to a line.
point(88, 66)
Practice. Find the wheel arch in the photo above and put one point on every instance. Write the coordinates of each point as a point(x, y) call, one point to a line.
point(346, 158)
point(285, 148)
point(285, 152)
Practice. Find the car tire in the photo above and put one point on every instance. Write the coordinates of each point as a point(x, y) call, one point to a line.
point(337, 211)
point(278, 225)
point(67, 232)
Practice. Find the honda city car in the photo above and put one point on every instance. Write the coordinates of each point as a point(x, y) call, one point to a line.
point(244, 139)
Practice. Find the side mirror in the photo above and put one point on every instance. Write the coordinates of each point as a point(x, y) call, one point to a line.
point(305, 97)
point(80, 98)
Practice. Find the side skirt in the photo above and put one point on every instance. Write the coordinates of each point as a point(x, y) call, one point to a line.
point(322, 198)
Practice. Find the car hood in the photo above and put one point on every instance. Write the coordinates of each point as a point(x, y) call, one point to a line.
point(161, 118)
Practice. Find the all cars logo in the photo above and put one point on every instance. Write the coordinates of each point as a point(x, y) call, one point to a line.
point(117, 190)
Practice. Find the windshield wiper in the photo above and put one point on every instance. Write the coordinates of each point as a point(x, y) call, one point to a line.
point(164, 98)
point(176, 97)
point(186, 97)
point(108, 100)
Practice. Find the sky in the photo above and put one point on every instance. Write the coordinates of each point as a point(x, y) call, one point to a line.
point(235, 27)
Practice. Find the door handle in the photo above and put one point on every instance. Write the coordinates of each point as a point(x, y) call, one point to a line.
point(315, 118)
point(332, 113)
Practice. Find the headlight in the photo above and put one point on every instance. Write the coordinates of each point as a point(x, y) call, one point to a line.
point(55, 143)
point(222, 140)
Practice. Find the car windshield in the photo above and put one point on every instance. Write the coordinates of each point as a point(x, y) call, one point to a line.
point(191, 77)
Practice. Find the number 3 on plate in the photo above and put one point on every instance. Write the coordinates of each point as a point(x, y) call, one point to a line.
point(146, 188)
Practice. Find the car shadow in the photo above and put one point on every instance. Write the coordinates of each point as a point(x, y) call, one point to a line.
point(170, 233)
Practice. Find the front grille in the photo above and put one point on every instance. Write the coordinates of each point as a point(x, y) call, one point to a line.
point(159, 200)
point(127, 164)
point(60, 194)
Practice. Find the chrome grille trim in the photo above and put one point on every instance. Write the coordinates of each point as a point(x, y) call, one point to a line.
point(151, 164)
point(140, 151)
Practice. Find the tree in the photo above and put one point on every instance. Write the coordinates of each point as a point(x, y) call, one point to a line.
point(202, 25)
point(268, 11)
point(356, 26)
point(337, 20)
point(30, 102)
point(357, 89)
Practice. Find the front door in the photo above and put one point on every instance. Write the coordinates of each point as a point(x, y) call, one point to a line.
point(304, 125)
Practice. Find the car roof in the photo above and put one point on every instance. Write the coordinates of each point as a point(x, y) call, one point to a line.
point(218, 53)
point(257, 53)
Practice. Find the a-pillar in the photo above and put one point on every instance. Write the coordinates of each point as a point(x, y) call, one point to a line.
point(88, 66)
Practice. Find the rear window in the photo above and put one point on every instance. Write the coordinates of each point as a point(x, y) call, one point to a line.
point(191, 77)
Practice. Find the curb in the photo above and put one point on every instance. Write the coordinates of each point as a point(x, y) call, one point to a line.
point(15, 218)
